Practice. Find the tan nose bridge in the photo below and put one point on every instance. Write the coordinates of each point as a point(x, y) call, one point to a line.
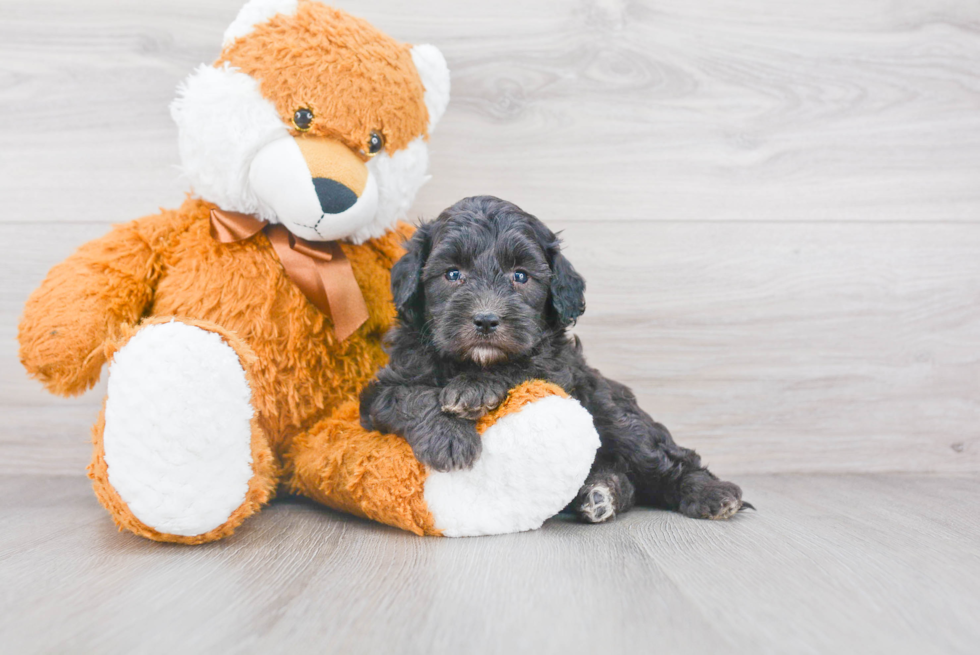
point(329, 158)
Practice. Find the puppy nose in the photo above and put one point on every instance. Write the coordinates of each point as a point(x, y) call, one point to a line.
point(334, 197)
point(486, 323)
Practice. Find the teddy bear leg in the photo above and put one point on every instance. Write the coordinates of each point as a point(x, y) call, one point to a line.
point(179, 454)
point(369, 474)
point(538, 448)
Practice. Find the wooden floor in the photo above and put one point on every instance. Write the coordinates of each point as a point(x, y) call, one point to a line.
point(829, 564)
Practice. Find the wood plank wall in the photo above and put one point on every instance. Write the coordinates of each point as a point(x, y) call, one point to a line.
point(776, 203)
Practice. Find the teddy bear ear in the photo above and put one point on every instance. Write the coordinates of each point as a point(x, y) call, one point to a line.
point(434, 72)
point(254, 13)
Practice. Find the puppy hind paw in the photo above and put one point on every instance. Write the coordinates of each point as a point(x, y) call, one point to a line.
point(713, 499)
point(596, 504)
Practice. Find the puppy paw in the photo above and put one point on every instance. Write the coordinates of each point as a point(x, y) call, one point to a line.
point(449, 445)
point(605, 494)
point(595, 504)
point(707, 498)
point(471, 398)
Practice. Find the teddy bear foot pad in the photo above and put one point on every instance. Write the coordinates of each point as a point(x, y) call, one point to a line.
point(533, 461)
point(177, 435)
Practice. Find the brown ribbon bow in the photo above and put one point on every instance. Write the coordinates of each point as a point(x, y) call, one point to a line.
point(319, 268)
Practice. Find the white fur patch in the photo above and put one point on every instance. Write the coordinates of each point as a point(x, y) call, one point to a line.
point(434, 72)
point(533, 464)
point(254, 13)
point(281, 179)
point(177, 428)
point(399, 176)
point(485, 355)
point(222, 122)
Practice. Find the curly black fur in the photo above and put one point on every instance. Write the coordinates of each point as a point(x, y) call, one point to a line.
point(484, 297)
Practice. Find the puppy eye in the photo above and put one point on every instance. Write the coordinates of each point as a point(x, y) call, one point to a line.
point(520, 277)
point(453, 275)
point(303, 119)
point(375, 143)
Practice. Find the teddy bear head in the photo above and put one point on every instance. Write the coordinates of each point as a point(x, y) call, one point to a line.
point(313, 119)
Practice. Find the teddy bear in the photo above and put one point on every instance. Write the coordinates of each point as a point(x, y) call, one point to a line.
point(240, 327)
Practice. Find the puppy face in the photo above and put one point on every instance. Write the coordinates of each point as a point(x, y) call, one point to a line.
point(486, 282)
point(486, 289)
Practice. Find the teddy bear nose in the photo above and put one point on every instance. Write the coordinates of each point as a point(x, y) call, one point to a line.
point(334, 197)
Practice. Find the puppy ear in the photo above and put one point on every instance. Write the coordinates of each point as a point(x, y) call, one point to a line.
point(567, 289)
point(406, 278)
point(567, 286)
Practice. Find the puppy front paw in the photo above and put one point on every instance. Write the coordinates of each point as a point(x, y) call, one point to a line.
point(707, 498)
point(448, 445)
point(471, 398)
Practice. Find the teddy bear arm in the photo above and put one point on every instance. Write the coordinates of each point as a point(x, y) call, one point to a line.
point(538, 448)
point(82, 302)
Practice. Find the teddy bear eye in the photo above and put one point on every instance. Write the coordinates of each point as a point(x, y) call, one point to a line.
point(375, 143)
point(453, 275)
point(303, 119)
point(520, 277)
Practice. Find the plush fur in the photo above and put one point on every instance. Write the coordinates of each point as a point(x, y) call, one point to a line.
point(484, 297)
point(537, 448)
point(223, 121)
point(199, 414)
point(355, 79)
point(352, 76)
point(255, 13)
point(154, 503)
point(168, 265)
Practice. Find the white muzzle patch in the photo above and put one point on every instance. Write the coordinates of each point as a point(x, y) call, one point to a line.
point(281, 179)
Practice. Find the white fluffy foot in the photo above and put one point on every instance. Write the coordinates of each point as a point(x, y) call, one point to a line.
point(533, 464)
point(178, 428)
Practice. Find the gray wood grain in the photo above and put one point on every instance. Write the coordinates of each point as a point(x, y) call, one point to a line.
point(666, 110)
point(775, 206)
point(828, 564)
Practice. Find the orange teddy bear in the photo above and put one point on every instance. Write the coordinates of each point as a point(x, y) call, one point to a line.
point(240, 327)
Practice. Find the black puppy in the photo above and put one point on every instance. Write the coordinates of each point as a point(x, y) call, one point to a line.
point(484, 297)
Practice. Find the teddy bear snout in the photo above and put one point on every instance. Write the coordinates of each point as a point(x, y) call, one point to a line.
point(339, 175)
point(316, 186)
point(331, 159)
